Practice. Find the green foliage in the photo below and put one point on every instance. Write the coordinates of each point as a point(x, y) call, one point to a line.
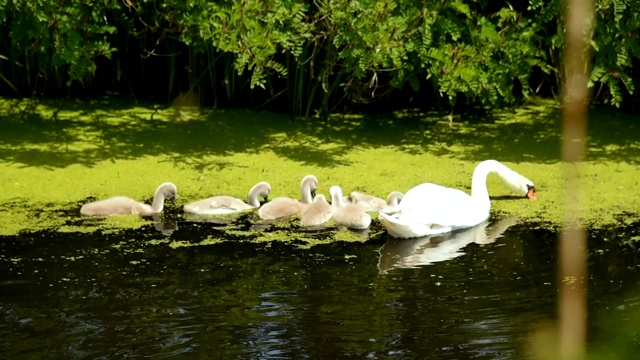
point(453, 44)
point(317, 55)
point(253, 31)
point(47, 37)
point(481, 56)
point(371, 38)
point(615, 43)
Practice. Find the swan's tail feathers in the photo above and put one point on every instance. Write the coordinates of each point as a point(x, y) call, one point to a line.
point(400, 228)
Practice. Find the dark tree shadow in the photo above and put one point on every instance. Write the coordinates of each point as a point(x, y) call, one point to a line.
point(61, 133)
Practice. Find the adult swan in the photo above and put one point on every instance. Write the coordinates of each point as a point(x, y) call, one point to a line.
point(429, 209)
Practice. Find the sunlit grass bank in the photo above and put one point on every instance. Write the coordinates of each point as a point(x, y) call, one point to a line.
point(56, 155)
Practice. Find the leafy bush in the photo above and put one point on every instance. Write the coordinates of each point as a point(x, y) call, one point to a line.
point(309, 55)
point(54, 41)
point(615, 42)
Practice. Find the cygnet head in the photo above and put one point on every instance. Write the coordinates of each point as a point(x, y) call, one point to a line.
point(310, 181)
point(308, 185)
point(261, 189)
point(169, 191)
point(394, 198)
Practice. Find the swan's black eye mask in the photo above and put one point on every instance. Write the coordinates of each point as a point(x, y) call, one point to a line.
point(531, 192)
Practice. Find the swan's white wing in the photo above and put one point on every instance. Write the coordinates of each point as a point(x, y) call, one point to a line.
point(401, 227)
point(438, 205)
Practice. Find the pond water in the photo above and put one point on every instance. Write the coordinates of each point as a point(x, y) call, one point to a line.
point(481, 294)
point(234, 288)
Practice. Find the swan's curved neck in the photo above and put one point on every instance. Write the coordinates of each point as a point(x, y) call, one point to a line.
point(256, 191)
point(158, 201)
point(308, 188)
point(305, 194)
point(479, 181)
point(336, 198)
point(164, 190)
point(253, 199)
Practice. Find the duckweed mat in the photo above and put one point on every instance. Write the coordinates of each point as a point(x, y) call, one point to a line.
point(57, 155)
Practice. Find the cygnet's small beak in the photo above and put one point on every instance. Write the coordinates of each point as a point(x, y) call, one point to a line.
point(531, 193)
point(173, 200)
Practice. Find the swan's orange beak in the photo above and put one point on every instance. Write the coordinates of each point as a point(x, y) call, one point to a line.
point(531, 194)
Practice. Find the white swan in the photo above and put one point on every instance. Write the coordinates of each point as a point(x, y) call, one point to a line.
point(224, 204)
point(429, 209)
point(124, 205)
point(282, 207)
point(412, 253)
point(349, 215)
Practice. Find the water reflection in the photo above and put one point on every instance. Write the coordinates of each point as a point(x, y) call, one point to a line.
point(245, 220)
point(411, 253)
point(222, 220)
point(112, 295)
point(274, 334)
point(164, 224)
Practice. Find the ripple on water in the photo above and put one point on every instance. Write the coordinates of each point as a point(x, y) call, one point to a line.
point(78, 296)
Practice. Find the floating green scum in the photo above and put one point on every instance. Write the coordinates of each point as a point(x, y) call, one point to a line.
point(57, 155)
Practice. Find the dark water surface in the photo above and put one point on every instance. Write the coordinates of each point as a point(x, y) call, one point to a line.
point(130, 294)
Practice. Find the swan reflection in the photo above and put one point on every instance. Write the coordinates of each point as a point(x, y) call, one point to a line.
point(164, 224)
point(412, 253)
point(222, 220)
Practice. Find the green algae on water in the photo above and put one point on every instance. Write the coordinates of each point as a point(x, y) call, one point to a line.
point(57, 155)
